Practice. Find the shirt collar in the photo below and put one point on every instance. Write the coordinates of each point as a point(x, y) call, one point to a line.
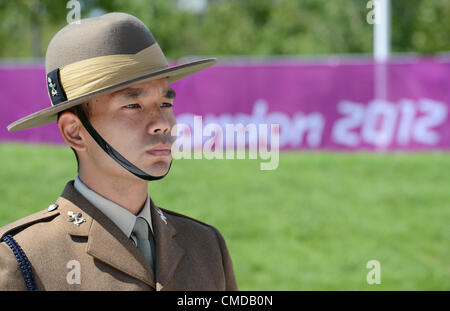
point(121, 217)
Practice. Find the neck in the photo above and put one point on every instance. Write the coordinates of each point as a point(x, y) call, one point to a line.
point(128, 193)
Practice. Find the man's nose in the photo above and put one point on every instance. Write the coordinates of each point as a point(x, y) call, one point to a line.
point(159, 124)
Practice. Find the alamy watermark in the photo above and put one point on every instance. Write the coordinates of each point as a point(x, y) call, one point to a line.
point(374, 275)
point(373, 16)
point(74, 15)
point(74, 274)
point(212, 142)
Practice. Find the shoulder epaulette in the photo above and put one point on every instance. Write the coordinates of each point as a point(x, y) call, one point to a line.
point(184, 216)
point(27, 221)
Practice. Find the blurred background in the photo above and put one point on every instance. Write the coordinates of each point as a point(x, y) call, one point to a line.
point(360, 90)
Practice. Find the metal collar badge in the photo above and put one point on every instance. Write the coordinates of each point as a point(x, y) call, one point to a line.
point(76, 218)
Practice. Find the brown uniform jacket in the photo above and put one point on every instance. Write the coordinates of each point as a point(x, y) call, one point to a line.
point(190, 255)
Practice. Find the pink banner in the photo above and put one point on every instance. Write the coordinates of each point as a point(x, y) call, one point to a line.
point(318, 105)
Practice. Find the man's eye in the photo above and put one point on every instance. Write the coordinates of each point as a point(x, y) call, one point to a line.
point(132, 106)
point(166, 105)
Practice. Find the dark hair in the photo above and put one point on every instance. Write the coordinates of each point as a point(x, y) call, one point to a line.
point(84, 108)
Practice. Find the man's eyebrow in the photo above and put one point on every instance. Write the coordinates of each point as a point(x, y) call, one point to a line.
point(132, 93)
point(170, 93)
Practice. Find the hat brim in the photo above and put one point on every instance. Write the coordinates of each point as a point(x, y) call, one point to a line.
point(49, 115)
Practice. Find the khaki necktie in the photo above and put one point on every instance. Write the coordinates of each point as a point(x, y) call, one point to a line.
point(145, 242)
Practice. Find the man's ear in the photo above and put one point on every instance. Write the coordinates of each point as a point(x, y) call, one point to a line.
point(71, 130)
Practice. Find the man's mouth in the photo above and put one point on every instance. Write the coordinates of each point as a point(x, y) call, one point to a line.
point(160, 152)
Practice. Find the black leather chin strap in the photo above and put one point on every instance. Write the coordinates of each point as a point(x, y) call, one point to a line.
point(114, 154)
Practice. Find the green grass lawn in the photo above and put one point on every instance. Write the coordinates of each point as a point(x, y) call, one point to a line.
point(312, 224)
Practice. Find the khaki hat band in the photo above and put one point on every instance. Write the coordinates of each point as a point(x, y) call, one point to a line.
point(89, 75)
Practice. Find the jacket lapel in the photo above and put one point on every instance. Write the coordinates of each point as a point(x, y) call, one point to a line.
point(168, 252)
point(106, 241)
point(109, 244)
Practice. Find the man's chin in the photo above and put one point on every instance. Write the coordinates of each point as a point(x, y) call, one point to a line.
point(157, 169)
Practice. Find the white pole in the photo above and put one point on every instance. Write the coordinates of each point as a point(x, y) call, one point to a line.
point(381, 51)
point(382, 30)
point(381, 46)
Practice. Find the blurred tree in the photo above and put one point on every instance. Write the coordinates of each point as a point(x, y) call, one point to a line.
point(22, 25)
point(421, 25)
point(246, 27)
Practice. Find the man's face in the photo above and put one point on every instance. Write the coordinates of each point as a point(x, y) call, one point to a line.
point(137, 122)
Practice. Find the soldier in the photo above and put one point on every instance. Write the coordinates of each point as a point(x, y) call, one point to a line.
point(108, 82)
